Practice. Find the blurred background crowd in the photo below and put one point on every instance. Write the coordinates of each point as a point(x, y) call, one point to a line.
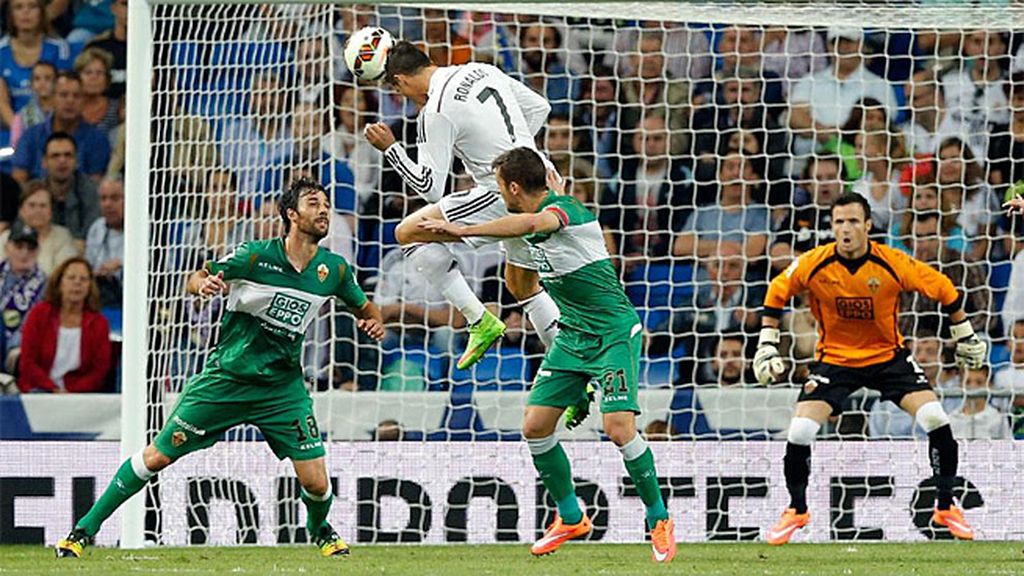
point(710, 154)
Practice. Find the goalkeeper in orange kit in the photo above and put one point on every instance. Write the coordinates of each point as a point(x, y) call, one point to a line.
point(854, 287)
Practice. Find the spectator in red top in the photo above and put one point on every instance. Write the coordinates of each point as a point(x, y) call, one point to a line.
point(65, 340)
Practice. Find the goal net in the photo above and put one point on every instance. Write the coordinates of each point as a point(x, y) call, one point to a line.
point(708, 138)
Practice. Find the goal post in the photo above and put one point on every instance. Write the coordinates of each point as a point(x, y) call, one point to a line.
point(135, 343)
point(228, 101)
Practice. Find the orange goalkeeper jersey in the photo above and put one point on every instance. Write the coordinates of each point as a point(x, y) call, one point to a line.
point(856, 302)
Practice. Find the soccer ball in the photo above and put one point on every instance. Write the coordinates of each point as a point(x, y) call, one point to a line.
point(366, 52)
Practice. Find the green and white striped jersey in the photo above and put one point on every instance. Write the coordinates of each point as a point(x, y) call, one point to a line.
point(269, 307)
point(575, 268)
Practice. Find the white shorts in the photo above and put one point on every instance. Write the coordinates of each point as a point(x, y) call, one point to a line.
point(479, 205)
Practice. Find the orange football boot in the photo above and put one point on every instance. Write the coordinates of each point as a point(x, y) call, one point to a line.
point(559, 533)
point(787, 526)
point(663, 541)
point(954, 520)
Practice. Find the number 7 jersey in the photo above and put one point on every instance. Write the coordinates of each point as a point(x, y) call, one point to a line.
point(476, 112)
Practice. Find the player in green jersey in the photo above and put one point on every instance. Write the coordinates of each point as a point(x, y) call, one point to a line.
point(275, 289)
point(599, 340)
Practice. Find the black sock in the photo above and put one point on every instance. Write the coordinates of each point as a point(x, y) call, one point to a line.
point(942, 452)
point(797, 467)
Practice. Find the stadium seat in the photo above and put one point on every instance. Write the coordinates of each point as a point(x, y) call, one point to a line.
point(998, 356)
point(686, 418)
point(375, 240)
point(657, 372)
point(249, 55)
point(514, 370)
point(999, 280)
point(503, 369)
point(655, 288)
point(400, 357)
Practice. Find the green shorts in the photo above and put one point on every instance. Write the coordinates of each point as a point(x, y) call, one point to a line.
point(563, 375)
point(212, 403)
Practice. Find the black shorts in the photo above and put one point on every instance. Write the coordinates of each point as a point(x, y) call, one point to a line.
point(894, 379)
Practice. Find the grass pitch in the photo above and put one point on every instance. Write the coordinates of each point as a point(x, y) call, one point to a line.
point(874, 559)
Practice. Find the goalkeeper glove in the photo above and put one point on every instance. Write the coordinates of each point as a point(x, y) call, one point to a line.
point(575, 415)
point(970, 350)
point(768, 363)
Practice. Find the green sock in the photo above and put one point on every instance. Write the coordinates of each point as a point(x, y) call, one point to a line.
point(124, 485)
point(317, 508)
point(645, 478)
point(553, 466)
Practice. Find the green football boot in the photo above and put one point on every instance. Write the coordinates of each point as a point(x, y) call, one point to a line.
point(73, 545)
point(329, 543)
point(485, 332)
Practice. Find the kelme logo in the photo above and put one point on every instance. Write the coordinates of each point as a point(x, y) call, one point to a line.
point(288, 310)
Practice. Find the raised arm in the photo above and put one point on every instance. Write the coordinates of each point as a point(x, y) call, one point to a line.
point(434, 148)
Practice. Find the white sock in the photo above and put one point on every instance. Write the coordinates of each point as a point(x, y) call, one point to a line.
point(139, 467)
point(543, 314)
point(437, 265)
point(633, 449)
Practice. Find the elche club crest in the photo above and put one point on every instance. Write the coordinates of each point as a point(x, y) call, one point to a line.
point(178, 438)
point(874, 283)
point(322, 271)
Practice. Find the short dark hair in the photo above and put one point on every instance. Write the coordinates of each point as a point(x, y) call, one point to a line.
point(290, 199)
point(852, 198)
point(46, 64)
point(68, 75)
point(524, 167)
point(560, 117)
point(59, 136)
point(814, 160)
point(925, 334)
point(406, 59)
point(730, 337)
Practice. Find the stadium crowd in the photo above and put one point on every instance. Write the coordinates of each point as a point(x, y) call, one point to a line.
point(710, 154)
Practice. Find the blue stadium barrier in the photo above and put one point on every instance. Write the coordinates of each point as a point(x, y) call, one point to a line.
point(15, 424)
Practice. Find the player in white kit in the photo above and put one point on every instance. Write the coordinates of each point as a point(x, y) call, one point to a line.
point(474, 112)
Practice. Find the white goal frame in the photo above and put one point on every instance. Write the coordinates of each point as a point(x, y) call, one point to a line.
point(136, 323)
